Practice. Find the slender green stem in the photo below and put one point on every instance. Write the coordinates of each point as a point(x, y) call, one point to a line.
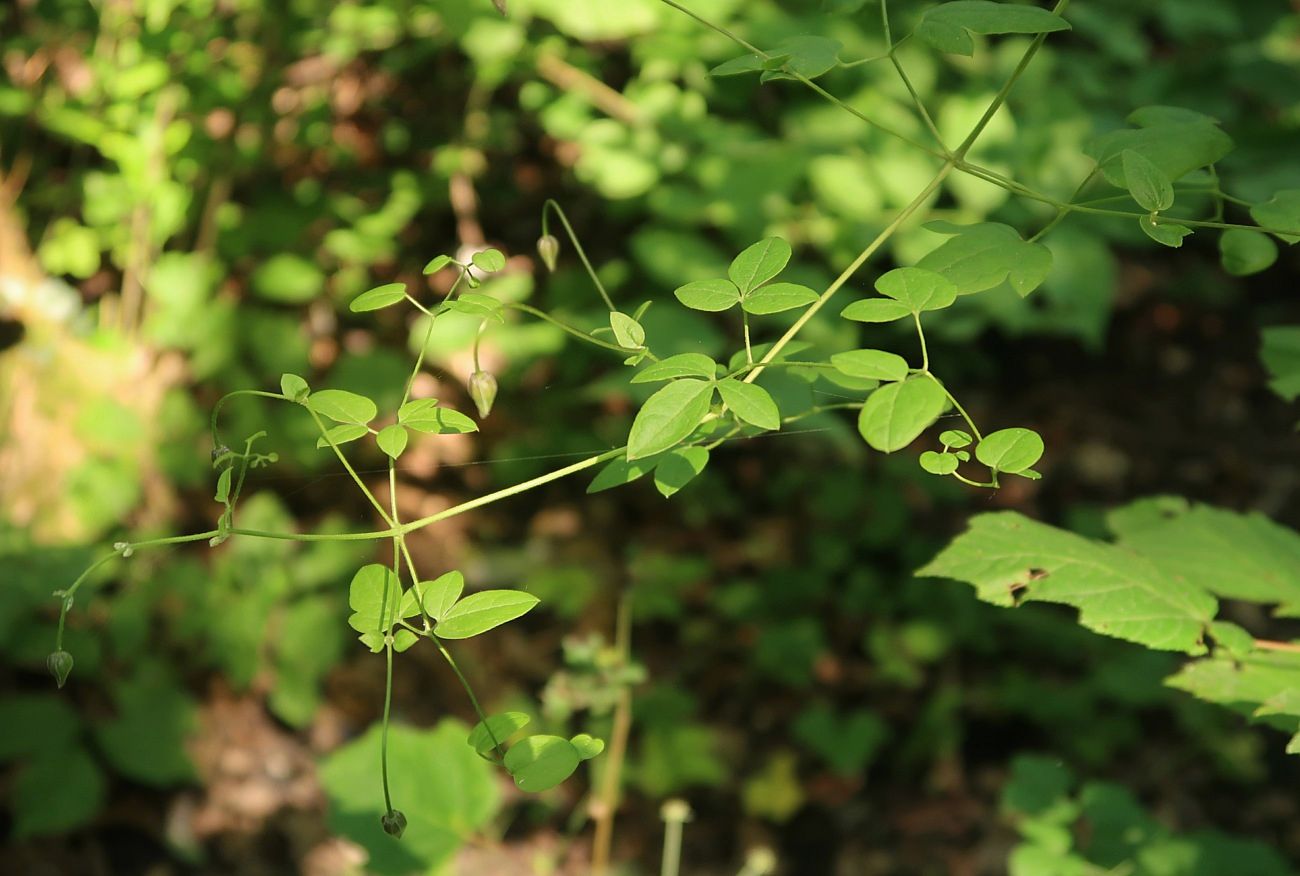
point(469, 692)
point(1062, 212)
point(216, 409)
point(872, 59)
point(387, 618)
point(428, 336)
point(905, 214)
point(1001, 97)
point(749, 350)
point(907, 81)
point(65, 599)
point(514, 490)
point(920, 334)
point(551, 205)
point(563, 326)
point(956, 404)
point(347, 465)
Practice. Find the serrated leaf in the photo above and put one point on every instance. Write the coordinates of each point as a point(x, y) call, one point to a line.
point(948, 27)
point(751, 403)
point(392, 440)
point(777, 298)
point(435, 597)
point(499, 727)
point(1243, 252)
point(681, 365)
point(1010, 450)
point(1009, 558)
point(341, 435)
point(875, 310)
point(759, 263)
point(483, 611)
point(343, 407)
point(489, 260)
point(917, 288)
point(712, 296)
point(539, 763)
point(668, 416)
point(1282, 212)
point(678, 467)
point(897, 413)
point(1146, 183)
point(378, 297)
point(627, 331)
point(1164, 232)
point(982, 256)
point(294, 387)
point(871, 364)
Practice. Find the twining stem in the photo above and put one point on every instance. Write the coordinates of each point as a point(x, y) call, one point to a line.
point(881, 238)
point(551, 205)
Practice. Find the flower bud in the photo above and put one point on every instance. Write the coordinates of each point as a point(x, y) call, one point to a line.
point(548, 247)
point(60, 665)
point(483, 390)
point(394, 823)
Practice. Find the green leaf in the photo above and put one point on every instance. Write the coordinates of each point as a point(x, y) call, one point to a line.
point(1164, 232)
point(948, 27)
point(955, 438)
point(759, 263)
point(489, 260)
point(751, 403)
point(938, 463)
point(1010, 450)
point(447, 792)
point(1009, 558)
point(627, 331)
point(681, 365)
point(499, 727)
point(1147, 183)
point(983, 256)
point(875, 310)
point(1245, 252)
point(55, 793)
point(424, 415)
point(917, 288)
point(587, 745)
point(343, 407)
point(668, 416)
point(897, 413)
point(341, 435)
point(871, 364)
point(777, 298)
point(436, 596)
point(370, 612)
point(750, 63)
point(539, 763)
point(483, 611)
point(223, 486)
point(1282, 212)
point(676, 468)
point(378, 298)
point(294, 387)
point(712, 296)
point(1176, 149)
point(806, 55)
point(621, 471)
point(392, 440)
point(288, 279)
point(476, 304)
point(1280, 353)
point(437, 263)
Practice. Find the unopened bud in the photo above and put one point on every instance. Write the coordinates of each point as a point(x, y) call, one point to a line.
point(548, 247)
point(394, 823)
point(60, 665)
point(483, 390)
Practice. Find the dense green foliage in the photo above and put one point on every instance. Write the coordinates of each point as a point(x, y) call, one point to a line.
point(257, 193)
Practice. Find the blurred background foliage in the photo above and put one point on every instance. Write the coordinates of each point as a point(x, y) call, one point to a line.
point(190, 191)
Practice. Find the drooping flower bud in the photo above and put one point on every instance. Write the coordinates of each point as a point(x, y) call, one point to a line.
point(394, 823)
point(60, 665)
point(548, 247)
point(483, 390)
